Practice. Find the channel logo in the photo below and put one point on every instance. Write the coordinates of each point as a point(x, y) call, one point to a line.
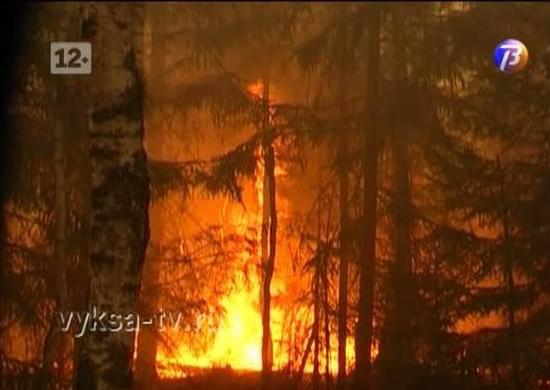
point(510, 56)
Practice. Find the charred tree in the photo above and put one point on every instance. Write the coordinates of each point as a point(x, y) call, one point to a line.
point(268, 233)
point(316, 321)
point(326, 316)
point(343, 181)
point(119, 191)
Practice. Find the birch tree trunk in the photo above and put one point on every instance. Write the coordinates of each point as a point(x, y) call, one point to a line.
point(119, 191)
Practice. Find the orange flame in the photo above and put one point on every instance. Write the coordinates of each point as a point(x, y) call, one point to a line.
point(236, 341)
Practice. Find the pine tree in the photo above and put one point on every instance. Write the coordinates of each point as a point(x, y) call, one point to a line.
point(50, 248)
point(488, 170)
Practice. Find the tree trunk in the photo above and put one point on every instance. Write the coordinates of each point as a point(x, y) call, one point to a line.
point(364, 330)
point(268, 235)
point(147, 345)
point(54, 337)
point(316, 320)
point(81, 295)
point(120, 192)
point(305, 357)
point(508, 275)
point(344, 244)
point(145, 366)
point(326, 315)
point(396, 351)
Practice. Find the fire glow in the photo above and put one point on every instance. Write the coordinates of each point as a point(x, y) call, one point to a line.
point(237, 339)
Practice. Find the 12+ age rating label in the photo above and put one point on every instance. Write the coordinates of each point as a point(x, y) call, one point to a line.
point(70, 57)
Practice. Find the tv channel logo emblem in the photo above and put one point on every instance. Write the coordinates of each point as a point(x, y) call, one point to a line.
point(510, 56)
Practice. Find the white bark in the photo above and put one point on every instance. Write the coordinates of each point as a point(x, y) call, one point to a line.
point(119, 193)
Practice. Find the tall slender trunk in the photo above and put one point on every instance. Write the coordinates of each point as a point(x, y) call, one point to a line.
point(326, 315)
point(364, 331)
point(268, 234)
point(510, 285)
point(344, 242)
point(119, 191)
point(305, 357)
point(54, 336)
point(145, 365)
point(81, 296)
point(317, 271)
point(508, 274)
point(316, 326)
point(397, 352)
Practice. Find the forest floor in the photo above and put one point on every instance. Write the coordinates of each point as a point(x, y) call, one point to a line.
point(226, 378)
point(229, 379)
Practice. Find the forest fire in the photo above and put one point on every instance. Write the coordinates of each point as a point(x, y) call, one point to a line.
point(236, 341)
point(298, 195)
